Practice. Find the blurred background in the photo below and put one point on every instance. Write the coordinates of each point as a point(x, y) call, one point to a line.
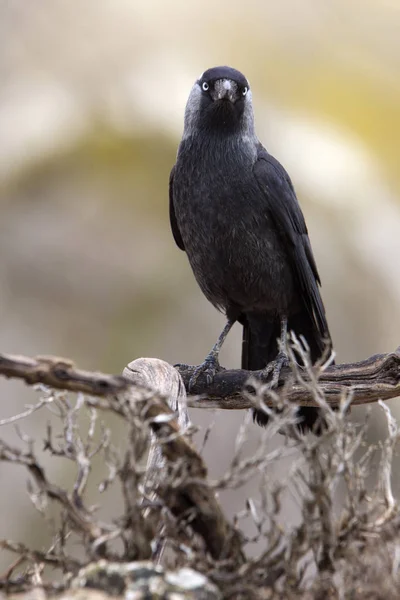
point(91, 112)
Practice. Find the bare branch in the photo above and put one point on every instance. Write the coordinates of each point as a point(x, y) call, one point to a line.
point(372, 379)
point(36, 556)
point(190, 493)
point(387, 461)
point(28, 412)
point(353, 547)
point(165, 381)
point(61, 374)
point(79, 517)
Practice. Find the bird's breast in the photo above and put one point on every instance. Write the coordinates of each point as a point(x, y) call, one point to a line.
point(233, 248)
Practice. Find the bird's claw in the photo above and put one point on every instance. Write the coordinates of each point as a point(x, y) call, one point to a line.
point(275, 367)
point(181, 366)
point(207, 369)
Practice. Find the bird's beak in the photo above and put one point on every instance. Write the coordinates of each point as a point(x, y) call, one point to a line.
point(225, 89)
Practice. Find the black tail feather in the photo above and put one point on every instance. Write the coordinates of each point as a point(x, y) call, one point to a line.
point(260, 346)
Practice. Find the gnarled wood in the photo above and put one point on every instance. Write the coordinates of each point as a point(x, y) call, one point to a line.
point(370, 380)
point(189, 496)
point(375, 378)
point(60, 374)
point(158, 375)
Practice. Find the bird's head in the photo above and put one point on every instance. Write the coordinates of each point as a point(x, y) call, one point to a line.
point(219, 102)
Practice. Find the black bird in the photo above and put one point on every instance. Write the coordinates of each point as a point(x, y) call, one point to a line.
point(233, 209)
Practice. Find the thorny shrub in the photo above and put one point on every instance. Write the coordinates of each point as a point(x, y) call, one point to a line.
point(346, 551)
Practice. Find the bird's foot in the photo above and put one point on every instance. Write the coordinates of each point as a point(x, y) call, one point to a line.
point(275, 367)
point(207, 369)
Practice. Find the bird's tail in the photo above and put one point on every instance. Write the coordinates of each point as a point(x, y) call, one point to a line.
point(260, 346)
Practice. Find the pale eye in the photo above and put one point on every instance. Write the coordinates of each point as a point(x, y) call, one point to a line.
point(205, 86)
point(244, 91)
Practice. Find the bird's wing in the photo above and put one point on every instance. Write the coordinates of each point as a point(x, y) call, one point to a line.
point(285, 211)
point(172, 217)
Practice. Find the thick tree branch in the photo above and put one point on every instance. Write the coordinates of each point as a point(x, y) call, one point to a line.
point(370, 380)
point(61, 374)
point(189, 496)
point(375, 378)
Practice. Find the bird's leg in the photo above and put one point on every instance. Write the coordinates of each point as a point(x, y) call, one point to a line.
point(282, 358)
point(211, 365)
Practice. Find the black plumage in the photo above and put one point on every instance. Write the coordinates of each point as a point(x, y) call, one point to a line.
point(234, 211)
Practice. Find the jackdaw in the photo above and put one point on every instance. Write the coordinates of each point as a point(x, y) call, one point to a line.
point(233, 209)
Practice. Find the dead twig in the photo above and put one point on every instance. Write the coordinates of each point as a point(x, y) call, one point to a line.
point(79, 516)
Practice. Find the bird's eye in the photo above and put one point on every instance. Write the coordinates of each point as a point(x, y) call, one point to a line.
point(245, 90)
point(205, 86)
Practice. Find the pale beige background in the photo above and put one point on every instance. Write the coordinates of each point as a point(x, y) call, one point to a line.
point(91, 105)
